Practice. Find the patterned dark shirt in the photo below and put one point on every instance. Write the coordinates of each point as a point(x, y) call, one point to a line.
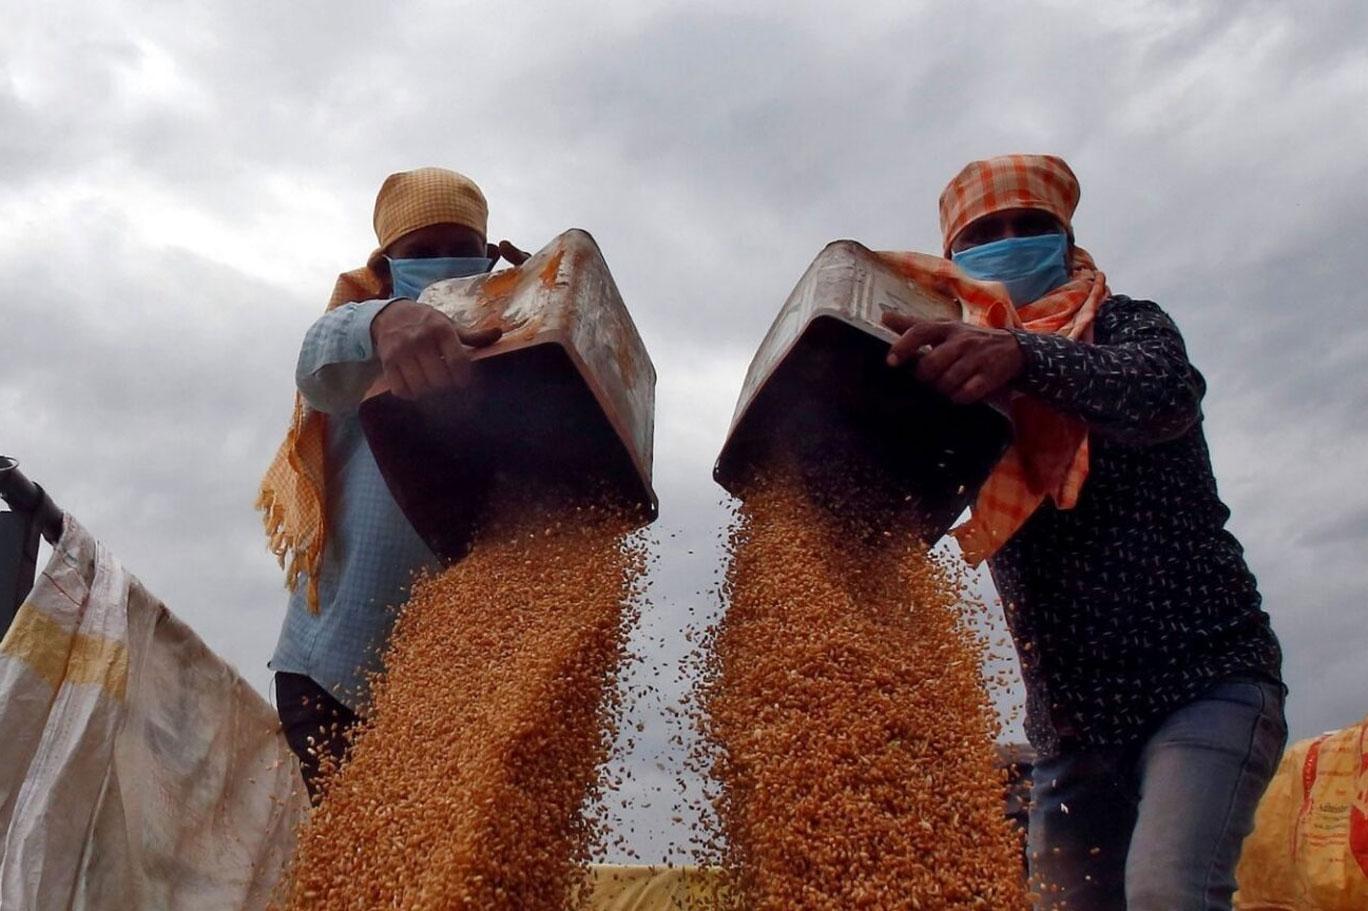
point(1137, 600)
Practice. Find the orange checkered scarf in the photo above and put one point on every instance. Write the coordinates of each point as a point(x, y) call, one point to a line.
point(293, 495)
point(1049, 454)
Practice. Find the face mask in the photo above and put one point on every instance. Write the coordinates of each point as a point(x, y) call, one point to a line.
point(411, 276)
point(1030, 267)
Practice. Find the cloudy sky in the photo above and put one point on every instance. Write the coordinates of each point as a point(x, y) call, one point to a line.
point(180, 183)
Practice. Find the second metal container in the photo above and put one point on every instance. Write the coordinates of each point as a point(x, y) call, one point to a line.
point(819, 388)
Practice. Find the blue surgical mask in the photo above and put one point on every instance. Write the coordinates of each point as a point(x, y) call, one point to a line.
point(411, 276)
point(1030, 267)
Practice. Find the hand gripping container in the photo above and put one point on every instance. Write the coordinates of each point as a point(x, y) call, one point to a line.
point(819, 387)
point(567, 394)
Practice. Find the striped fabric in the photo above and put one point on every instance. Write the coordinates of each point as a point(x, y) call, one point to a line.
point(1007, 182)
point(293, 492)
point(138, 769)
point(411, 200)
point(1049, 456)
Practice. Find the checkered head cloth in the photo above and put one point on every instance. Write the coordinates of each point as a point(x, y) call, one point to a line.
point(1048, 458)
point(293, 496)
point(1007, 182)
point(428, 196)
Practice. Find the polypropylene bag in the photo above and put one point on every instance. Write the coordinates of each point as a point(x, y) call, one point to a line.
point(1309, 847)
point(137, 769)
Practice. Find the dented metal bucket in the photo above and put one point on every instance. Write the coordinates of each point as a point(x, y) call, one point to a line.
point(819, 388)
point(567, 394)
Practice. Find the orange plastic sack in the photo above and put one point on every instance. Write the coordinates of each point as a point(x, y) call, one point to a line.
point(1309, 847)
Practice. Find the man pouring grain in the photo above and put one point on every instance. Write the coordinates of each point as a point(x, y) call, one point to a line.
point(1154, 696)
point(348, 550)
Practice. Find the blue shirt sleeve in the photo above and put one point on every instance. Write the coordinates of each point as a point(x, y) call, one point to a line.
point(337, 362)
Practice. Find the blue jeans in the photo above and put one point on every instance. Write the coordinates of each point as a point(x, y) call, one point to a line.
point(1157, 826)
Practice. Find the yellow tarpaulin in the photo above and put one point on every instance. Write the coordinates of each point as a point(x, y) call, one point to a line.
point(641, 888)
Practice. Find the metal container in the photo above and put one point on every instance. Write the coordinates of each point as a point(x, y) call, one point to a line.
point(567, 393)
point(819, 387)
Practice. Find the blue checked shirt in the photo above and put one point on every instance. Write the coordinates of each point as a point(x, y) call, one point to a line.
point(372, 552)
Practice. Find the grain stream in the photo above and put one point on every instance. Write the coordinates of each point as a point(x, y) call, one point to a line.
point(466, 786)
point(851, 729)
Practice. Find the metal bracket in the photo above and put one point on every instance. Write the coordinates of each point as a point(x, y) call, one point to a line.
point(33, 515)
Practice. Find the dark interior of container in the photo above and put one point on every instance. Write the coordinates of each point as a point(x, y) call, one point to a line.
point(833, 401)
point(528, 417)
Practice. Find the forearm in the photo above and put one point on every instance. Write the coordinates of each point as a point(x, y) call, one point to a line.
point(337, 361)
point(1138, 387)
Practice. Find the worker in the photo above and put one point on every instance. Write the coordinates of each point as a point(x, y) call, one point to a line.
point(348, 550)
point(1154, 696)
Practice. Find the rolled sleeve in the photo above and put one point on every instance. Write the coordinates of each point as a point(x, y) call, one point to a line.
point(337, 362)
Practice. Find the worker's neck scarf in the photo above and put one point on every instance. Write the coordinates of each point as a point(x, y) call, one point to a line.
point(293, 496)
point(1049, 454)
point(293, 492)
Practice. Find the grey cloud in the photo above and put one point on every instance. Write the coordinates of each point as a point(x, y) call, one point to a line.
point(1349, 529)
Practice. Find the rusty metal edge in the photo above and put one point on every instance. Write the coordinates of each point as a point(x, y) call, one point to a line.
point(644, 472)
point(774, 326)
point(610, 411)
point(740, 418)
point(556, 337)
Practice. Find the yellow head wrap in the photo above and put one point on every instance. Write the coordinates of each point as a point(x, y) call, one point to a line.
point(293, 495)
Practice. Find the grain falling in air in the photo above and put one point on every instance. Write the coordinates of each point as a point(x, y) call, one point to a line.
point(466, 786)
point(852, 730)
